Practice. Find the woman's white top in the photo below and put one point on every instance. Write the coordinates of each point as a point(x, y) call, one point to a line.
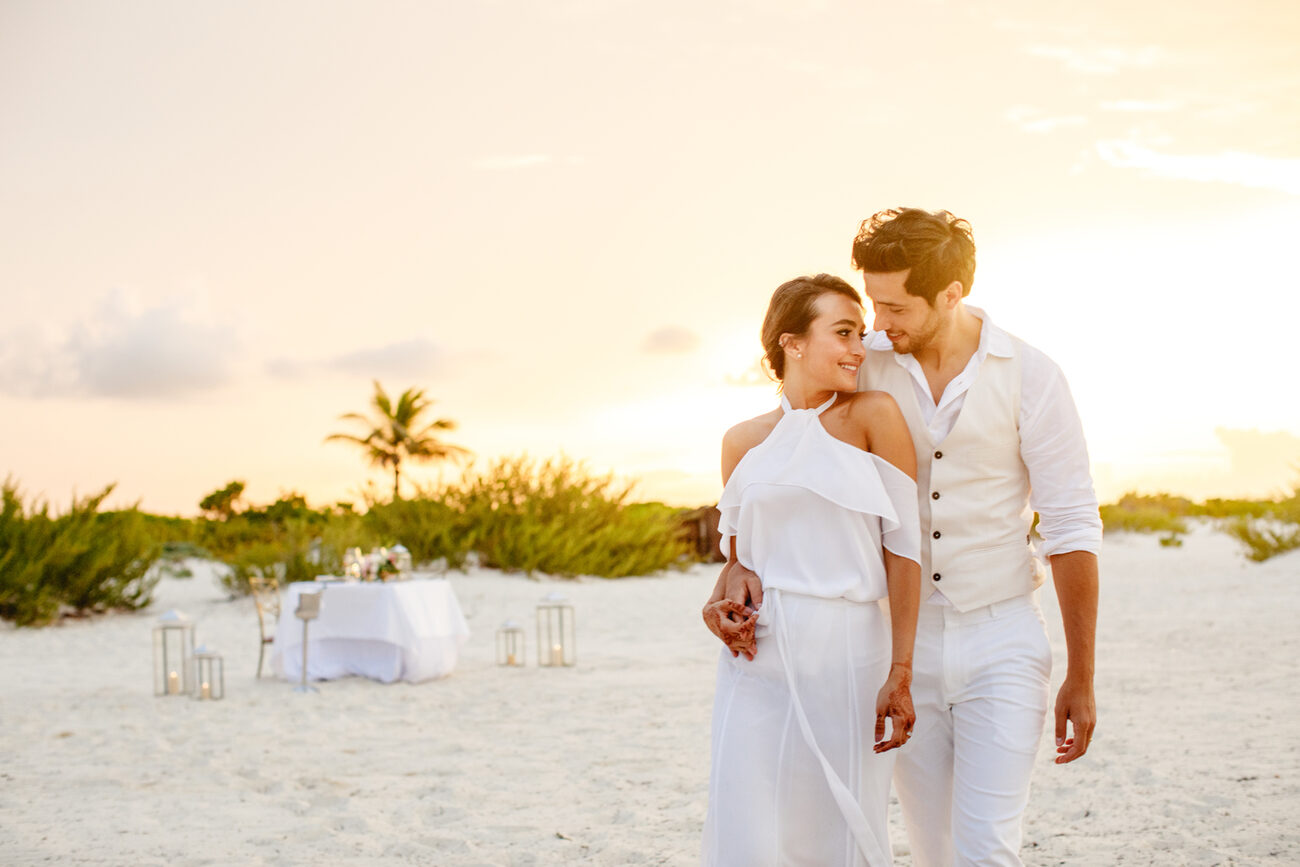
point(810, 513)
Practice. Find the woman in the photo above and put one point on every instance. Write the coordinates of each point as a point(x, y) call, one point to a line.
point(820, 502)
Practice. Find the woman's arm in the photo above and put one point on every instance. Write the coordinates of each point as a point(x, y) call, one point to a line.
point(731, 621)
point(895, 698)
point(887, 437)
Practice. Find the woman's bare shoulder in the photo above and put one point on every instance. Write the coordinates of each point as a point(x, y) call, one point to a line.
point(744, 436)
point(737, 441)
point(873, 408)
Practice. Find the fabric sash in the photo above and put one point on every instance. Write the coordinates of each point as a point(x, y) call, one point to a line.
point(771, 611)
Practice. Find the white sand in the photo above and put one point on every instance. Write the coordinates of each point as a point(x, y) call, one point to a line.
point(1195, 760)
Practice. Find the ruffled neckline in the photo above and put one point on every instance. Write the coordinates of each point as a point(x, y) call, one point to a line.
point(795, 453)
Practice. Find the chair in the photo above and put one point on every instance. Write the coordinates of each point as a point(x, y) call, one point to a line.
point(266, 596)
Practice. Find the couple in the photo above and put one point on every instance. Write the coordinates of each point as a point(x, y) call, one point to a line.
point(902, 465)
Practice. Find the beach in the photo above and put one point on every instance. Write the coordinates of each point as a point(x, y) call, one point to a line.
point(1194, 763)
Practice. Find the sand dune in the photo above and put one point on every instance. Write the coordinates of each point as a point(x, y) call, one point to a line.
point(1195, 760)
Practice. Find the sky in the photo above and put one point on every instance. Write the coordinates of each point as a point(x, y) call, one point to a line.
point(563, 220)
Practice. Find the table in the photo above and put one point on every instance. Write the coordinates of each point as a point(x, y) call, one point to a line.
point(398, 630)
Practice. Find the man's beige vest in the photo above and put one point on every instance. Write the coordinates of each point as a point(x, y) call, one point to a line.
point(973, 487)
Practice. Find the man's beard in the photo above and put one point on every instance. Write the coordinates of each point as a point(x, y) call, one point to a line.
point(920, 339)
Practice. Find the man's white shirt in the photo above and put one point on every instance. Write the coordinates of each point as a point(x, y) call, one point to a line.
point(1051, 436)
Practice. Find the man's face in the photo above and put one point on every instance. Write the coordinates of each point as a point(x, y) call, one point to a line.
point(908, 320)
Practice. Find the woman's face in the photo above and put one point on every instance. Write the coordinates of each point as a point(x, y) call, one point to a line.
point(832, 347)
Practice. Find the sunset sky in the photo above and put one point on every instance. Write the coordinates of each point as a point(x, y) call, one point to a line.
point(221, 221)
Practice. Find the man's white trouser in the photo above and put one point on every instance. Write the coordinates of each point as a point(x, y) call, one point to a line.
point(980, 684)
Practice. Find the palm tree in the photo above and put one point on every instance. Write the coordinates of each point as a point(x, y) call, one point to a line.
point(393, 437)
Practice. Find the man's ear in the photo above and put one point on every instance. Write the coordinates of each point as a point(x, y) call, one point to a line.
point(952, 294)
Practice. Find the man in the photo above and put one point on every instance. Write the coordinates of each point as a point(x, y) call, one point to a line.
point(996, 436)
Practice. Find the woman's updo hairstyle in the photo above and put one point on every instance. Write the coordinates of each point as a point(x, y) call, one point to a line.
point(792, 309)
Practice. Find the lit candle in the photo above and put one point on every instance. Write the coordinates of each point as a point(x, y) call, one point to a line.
point(557, 655)
point(173, 683)
point(205, 690)
point(512, 660)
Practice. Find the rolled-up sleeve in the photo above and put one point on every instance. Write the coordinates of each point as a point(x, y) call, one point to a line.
point(1054, 451)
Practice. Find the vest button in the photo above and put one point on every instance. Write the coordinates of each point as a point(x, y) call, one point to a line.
point(936, 534)
point(938, 455)
point(937, 576)
point(935, 495)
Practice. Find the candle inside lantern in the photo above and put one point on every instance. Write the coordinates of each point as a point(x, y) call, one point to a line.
point(557, 655)
point(173, 683)
point(205, 690)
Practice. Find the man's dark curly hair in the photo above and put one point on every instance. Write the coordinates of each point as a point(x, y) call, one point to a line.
point(936, 247)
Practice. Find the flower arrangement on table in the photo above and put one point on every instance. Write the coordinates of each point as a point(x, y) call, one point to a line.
point(381, 564)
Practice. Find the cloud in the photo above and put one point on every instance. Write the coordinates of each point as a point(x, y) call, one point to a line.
point(122, 351)
point(510, 162)
point(1230, 167)
point(1139, 105)
point(416, 357)
point(671, 340)
point(1099, 59)
point(1263, 459)
point(1030, 119)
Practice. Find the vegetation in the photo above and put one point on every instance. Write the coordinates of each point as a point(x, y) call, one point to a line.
point(516, 514)
point(1264, 538)
point(1265, 528)
point(1135, 513)
point(556, 517)
point(82, 561)
point(393, 436)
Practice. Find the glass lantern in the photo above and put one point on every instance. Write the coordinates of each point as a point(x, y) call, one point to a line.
point(173, 650)
point(353, 561)
point(402, 557)
point(510, 644)
point(209, 675)
point(556, 643)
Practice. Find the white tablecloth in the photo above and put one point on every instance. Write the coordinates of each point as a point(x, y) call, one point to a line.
point(401, 630)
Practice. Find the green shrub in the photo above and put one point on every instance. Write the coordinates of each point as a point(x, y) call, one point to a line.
point(84, 560)
point(1136, 513)
point(286, 541)
point(556, 517)
point(1264, 537)
point(429, 526)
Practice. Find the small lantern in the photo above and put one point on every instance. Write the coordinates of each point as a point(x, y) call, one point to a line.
point(556, 643)
point(209, 674)
point(402, 559)
point(353, 561)
point(173, 648)
point(510, 644)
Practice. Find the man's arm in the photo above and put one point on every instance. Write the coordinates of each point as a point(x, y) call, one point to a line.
point(1056, 455)
point(1076, 580)
point(732, 622)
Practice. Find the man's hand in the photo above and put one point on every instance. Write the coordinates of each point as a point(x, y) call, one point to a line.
point(1076, 703)
point(895, 702)
point(742, 586)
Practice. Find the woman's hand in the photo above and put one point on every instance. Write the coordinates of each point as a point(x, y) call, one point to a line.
point(895, 702)
point(734, 624)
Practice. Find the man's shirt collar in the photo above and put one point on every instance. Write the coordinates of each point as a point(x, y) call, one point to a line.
point(993, 340)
